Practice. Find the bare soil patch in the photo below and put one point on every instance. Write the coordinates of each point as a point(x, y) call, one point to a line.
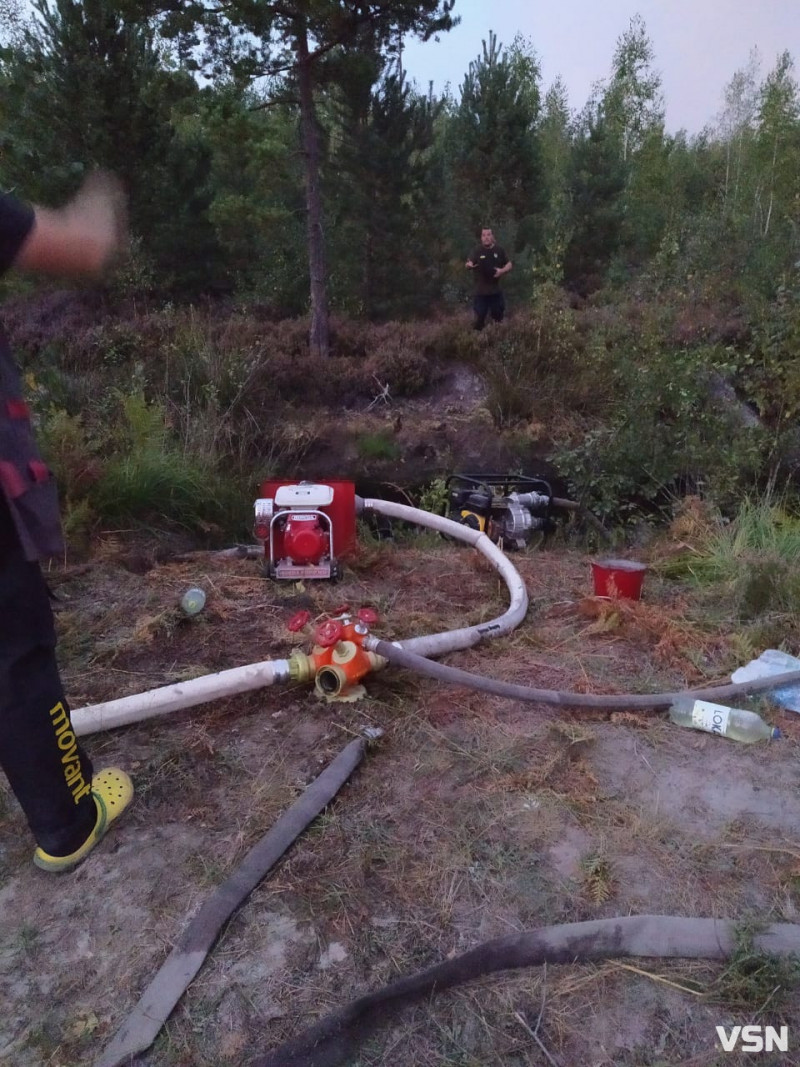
point(471, 818)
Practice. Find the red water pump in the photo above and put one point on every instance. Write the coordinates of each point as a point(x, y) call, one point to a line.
point(307, 528)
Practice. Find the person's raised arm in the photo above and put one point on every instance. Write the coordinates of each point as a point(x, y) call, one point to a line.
point(83, 237)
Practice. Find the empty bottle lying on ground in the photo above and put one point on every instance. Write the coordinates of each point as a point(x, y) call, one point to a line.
point(736, 723)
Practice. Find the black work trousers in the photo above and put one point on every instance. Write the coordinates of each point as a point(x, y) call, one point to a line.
point(48, 770)
point(488, 303)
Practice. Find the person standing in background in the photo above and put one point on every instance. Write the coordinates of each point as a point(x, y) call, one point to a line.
point(489, 263)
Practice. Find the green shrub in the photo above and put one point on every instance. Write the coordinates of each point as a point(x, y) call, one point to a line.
point(536, 364)
point(661, 434)
point(746, 568)
point(435, 497)
point(756, 556)
point(377, 446)
point(767, 372)
point(130, 469)
point(70, 453)
point(148, 479)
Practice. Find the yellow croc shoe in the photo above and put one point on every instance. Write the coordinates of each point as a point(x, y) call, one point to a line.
point(112, 790)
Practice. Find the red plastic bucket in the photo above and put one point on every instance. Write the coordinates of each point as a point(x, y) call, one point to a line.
point(618, 578)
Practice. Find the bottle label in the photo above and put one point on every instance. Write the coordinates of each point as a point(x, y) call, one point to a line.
point(713, 718)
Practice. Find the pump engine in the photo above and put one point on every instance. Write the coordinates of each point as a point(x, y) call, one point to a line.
point(506, 509)
point(307, 528)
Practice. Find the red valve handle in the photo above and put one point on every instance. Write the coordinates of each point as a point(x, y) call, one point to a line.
point(368, 616)
point(329, 633)
point(343, 609)
point(298, 621)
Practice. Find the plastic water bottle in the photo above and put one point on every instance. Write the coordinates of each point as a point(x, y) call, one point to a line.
point(718, 719)
point(773, 661)
point(193, 600)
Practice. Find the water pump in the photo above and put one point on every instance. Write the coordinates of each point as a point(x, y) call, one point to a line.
point(507, 509)
point(307, 528)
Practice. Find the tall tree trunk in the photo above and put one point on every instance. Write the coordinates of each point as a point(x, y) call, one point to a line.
point(367, 280)
point(727, 172)
point(771, 186)
point(319, 337)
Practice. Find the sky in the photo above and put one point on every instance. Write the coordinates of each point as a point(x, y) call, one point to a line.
point(698, 45)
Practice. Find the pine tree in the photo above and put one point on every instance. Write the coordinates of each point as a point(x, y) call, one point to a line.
point(257, 205)
point(296, 44)
point(91, 90)
point(494, 144)
point(382, 164)
point(597, 182)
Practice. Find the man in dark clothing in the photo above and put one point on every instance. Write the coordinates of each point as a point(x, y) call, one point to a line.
point(68, 808)
point(490, 263)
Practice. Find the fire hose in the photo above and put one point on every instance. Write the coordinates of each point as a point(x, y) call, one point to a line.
point(334, 1040)
point(414, 653)
point(399, 655)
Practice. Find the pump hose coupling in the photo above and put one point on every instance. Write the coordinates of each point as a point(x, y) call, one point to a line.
point(302, 668)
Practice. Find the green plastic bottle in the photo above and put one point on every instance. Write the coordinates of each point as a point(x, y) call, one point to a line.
point(193, 600)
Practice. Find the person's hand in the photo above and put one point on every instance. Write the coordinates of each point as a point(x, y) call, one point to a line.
point(98, 214)
point(85, 236)
point(497, 272)
point(469, 265)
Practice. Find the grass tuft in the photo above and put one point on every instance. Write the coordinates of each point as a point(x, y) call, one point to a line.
point(754, 979)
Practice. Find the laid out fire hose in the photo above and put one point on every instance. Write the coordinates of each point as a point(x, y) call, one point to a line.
point(113, 713)
point(399, 655)
point(334, 1041)
point(140, 1028)
point(414, 653)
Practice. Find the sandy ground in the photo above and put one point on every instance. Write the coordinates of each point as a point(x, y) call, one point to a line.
point(471, 818)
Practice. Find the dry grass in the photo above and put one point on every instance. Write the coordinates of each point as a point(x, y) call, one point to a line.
point(473, 817)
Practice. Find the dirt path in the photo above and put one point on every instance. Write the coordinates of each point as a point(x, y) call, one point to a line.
point(471, 818)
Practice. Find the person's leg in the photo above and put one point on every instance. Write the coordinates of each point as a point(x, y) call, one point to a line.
point(498, 307)
point(480, 306)
point(47, 768)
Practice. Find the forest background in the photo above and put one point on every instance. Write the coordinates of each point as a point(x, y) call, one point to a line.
point(300, 216)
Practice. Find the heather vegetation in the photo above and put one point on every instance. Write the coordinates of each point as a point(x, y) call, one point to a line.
point(300, 215)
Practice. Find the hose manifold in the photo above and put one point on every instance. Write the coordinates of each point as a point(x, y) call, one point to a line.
point(336, 671)
point(339, 678)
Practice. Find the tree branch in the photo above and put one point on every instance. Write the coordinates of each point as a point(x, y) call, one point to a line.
point(275, 103)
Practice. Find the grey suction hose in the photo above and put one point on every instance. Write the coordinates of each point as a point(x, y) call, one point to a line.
point(413, 653)
point(651, 701)
point(572, 505)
